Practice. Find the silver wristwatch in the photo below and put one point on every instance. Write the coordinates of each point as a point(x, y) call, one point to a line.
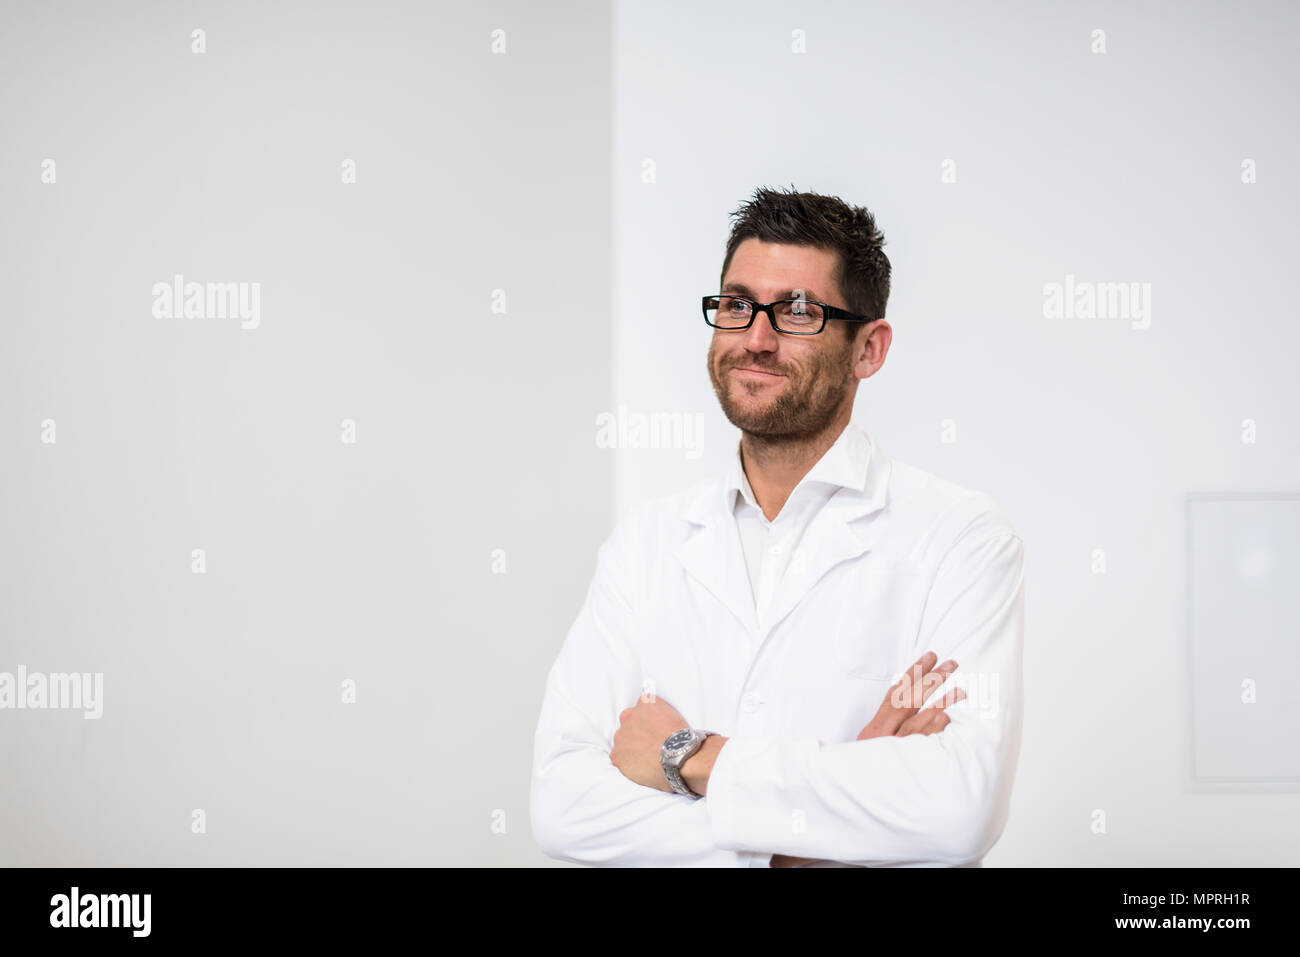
point(679, 746)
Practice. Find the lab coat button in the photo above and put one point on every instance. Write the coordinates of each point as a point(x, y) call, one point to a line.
point(751, 702)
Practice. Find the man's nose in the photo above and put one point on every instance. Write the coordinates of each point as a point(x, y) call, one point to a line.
point(760, 336)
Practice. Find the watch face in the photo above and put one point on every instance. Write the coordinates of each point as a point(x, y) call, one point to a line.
point(679, 739)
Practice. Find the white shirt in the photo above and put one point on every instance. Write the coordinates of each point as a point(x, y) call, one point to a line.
point(770, 546)
point(893, 563)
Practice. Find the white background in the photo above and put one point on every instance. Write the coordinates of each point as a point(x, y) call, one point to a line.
point(1120, 167)
point(476, 431)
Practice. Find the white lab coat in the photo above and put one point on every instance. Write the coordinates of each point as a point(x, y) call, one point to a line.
point(913, 563)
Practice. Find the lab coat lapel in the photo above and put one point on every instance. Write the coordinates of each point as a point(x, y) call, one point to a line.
point(713, 556)
point(840, 532)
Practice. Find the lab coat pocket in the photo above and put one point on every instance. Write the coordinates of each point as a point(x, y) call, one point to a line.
point(879, 618)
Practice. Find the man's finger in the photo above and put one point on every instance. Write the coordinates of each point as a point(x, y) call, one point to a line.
point(933, 718)
point(911, 692)
point(952, 697)
point(928, 721)
point(929, 684)
point(890, 715)
point(912, 681)
point(907, 694)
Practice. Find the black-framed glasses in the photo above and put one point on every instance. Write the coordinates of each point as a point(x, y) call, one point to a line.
point(796, 317)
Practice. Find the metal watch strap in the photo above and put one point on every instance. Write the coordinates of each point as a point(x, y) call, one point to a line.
point(673, 771)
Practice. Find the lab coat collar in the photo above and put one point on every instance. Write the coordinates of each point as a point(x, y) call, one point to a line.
point(843, 465)
point(713, 555)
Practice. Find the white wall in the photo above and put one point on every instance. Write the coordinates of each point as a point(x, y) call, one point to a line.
point(324, 561)
point(373, 561)
point(1115, 167)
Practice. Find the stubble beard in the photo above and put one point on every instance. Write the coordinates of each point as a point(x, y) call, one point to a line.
point(800, 408)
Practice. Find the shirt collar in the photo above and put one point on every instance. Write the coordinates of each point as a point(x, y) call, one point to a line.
point(843, 466)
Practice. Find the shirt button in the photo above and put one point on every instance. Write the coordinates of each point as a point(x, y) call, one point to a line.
point(751, 702)
point(775, 549)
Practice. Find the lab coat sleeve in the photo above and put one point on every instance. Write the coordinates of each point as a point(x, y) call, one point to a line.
point(941, 798)
point(582, 808)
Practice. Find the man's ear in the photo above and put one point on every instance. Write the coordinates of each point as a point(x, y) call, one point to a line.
point(870, 345)
point(861, 336)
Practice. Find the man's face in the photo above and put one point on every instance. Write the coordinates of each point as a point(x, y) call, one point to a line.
point(807, 377)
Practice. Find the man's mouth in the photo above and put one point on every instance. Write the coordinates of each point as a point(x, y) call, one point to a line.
point(758, 372)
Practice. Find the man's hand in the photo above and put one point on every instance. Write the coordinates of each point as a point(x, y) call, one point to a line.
point(643, 728)
point(639, 740)
point(899, 715)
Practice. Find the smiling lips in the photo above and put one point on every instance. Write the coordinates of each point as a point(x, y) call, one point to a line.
point(762, 372)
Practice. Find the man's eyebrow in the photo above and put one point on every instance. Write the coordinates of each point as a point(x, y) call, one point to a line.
point(743, 290)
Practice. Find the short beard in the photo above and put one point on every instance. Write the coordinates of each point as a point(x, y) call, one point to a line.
point(804, 408)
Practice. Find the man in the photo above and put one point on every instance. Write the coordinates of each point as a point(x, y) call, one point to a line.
point(727, 694)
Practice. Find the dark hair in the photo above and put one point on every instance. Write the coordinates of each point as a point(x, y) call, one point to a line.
point(826, 222)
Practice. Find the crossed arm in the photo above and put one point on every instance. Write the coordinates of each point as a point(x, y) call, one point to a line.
point(598, 795)
point(646, 725)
